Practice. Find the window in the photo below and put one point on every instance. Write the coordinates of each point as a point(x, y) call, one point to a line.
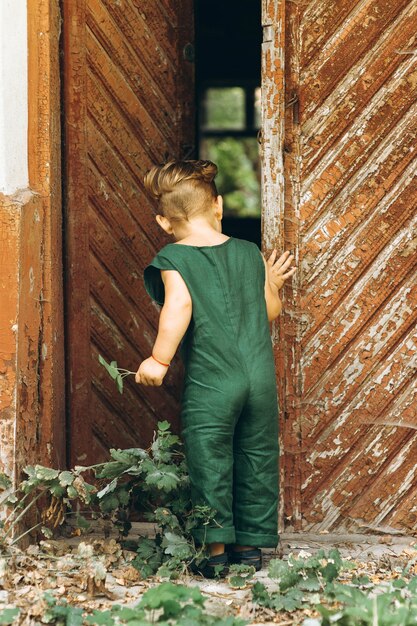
point(229, 124)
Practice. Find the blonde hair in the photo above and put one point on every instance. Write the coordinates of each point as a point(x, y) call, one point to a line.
point(183, 188)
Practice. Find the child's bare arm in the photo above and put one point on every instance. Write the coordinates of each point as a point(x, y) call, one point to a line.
point(275, 276)
point(173, 322)
point(175, 316)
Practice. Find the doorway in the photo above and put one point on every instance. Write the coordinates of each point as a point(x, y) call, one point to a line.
point(228, 39)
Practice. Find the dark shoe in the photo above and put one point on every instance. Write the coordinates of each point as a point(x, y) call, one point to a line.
point(213, 566)
point(247, 557)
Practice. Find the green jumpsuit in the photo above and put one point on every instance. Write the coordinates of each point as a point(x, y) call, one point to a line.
point(229, 417)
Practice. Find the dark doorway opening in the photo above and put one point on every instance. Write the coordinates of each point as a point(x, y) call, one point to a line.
point(228, 39)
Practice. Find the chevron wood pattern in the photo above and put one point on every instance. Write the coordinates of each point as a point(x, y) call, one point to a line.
point(128, 97)
point(348, 377)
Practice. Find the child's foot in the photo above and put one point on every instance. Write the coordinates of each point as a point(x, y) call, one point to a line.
point(246, 555)
point(214, 566)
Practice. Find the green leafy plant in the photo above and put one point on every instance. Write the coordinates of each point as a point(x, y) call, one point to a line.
point(153, 481)
point(117, 373)
point(392, 604)
point(240, 575)
point(61, 487)
point(167, 605)
point(61, 612)
point(298, 577)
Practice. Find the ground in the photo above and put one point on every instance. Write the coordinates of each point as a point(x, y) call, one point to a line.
point(92, 571)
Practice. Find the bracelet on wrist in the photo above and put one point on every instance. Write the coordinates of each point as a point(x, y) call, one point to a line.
point(160, 362)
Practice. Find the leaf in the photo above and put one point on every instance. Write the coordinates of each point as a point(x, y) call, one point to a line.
point(260, 594)
point(66, 478)
point(164, 425)
point(101, 618)
point(110, 367)
point(5, 481)
point(169, 597)
point(72, 492)
point(237, 582)
point(177, 545)
point(330, 572)
point(45, 473)
point(110, 470)
point(119, 383)
point(148, 557)
point(311, 583)
point(81, 521)
point(292, 600)
point(129, 456)
point(8, 616)
point(111, 486)
point(163, 476)
point(57, 491)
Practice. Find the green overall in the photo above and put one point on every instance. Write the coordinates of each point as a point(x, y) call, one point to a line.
point(229, 417)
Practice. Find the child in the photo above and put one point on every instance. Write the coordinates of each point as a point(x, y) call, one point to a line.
point(218, 294)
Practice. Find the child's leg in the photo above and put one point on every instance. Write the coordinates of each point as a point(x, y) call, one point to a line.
point(255, 495)
point(207, 425)
point(216, 548)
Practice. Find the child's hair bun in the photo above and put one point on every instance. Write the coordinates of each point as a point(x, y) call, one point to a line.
point(161, 179)
point(207, 170)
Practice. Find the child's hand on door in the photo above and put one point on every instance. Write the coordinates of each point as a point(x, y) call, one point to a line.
point(151, 373)
point(277, 268)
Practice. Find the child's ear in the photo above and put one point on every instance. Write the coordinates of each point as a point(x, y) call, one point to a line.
point(219, 207)
point(164, 223)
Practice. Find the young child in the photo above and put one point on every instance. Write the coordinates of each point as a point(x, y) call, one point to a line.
point(218, 295)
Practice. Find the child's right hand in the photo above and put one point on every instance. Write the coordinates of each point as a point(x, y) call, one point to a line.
point(277, 273)
point(151, 373)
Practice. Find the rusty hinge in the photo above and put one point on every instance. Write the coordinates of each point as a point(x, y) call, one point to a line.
point(294, 103)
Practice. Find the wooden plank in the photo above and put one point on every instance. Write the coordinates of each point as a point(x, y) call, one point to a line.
point(76, 230)
point(278, 232)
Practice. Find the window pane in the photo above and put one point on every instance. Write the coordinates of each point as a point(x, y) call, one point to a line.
point(224, 108)
point(238, 180)
point(257, 118)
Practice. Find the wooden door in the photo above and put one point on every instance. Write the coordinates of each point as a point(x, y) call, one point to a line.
point(128, 104)
point(340, 190)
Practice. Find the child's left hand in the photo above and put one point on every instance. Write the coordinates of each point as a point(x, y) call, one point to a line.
point(151, 373)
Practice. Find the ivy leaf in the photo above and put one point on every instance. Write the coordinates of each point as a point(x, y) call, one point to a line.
point(119, 383)
point(163, 426)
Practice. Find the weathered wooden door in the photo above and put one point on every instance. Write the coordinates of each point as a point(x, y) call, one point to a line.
point(345, 132)
point(128, 103)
